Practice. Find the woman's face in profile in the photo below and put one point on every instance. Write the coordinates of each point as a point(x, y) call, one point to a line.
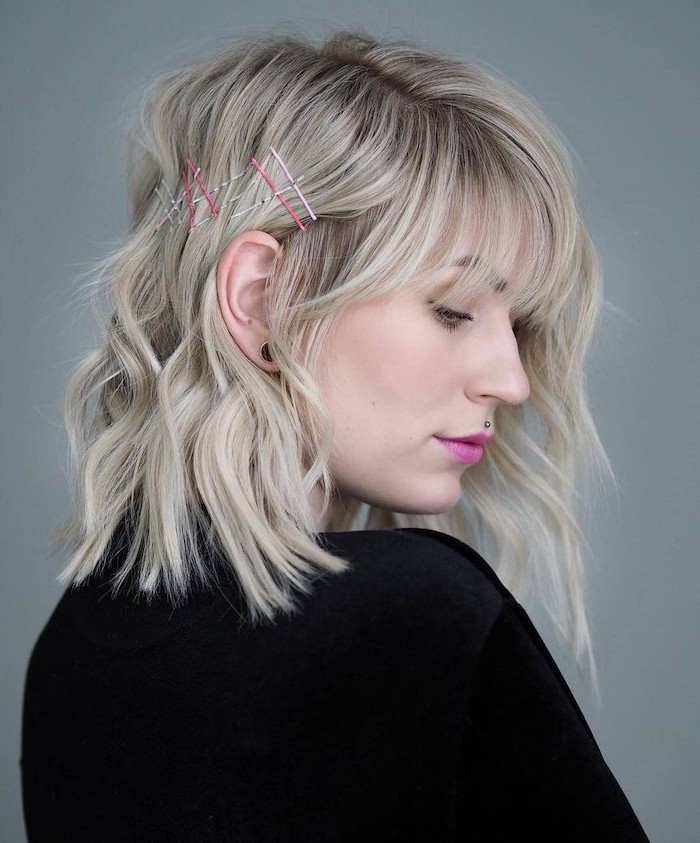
point(396, 377)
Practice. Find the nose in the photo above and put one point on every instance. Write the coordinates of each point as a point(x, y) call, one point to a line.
point(498, 371)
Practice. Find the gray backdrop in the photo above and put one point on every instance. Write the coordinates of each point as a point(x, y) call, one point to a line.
point(621, 81)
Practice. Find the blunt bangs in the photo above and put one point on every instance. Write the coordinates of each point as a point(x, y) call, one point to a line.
point(502, 227)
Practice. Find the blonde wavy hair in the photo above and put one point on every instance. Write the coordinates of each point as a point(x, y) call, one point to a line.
point(173, 428)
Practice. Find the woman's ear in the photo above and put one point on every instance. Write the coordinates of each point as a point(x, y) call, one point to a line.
point(241, 277)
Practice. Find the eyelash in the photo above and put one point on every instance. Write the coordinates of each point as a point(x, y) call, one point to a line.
point(446, 317)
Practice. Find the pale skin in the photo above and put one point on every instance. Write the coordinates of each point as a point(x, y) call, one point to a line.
point(394, 379)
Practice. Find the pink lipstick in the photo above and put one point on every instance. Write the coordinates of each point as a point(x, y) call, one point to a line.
point(467, 449)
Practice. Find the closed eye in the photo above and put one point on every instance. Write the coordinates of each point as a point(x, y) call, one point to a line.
point(451, 319)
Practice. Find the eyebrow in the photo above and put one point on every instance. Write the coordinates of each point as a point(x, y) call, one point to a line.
point(500, 285)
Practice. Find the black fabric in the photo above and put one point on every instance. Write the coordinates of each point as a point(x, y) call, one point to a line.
point(410, 699)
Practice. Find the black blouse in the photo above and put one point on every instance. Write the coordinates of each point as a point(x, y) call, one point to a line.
point(410, 699)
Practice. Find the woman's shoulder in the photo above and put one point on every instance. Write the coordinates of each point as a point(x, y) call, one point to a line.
point(417, 554)
point(418, 572)
point(457, 554)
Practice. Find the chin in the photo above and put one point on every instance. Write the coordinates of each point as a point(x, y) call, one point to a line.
point(433, 507)
point(420, 496)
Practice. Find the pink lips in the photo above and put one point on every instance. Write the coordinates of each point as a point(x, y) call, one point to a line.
point(475, 438)
point(467, 449)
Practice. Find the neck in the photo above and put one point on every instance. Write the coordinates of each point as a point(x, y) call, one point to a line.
point(336, 510)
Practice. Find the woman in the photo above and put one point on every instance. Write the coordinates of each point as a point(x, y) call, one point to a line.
point(341, 260)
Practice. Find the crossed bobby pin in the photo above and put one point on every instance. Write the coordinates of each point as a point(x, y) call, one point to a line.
point(191, 174)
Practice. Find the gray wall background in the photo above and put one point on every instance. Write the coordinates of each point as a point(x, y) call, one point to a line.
point(621, 82)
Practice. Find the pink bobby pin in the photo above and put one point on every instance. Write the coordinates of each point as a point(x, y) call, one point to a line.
point(293, 183)
point(188, 192)
point(276, 189)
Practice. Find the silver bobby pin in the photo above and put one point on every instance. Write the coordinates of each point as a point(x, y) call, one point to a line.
point(252, 207)
point(176, 204)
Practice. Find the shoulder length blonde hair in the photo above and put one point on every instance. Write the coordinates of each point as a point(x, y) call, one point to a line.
point(402, 151)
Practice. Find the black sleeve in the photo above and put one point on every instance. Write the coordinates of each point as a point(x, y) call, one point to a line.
point(530, 764)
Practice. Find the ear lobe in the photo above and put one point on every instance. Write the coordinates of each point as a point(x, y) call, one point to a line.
point(241, 276)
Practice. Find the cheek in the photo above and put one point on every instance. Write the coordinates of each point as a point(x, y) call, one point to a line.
point(401, 341)
point(382, 359)
point(396, 368)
